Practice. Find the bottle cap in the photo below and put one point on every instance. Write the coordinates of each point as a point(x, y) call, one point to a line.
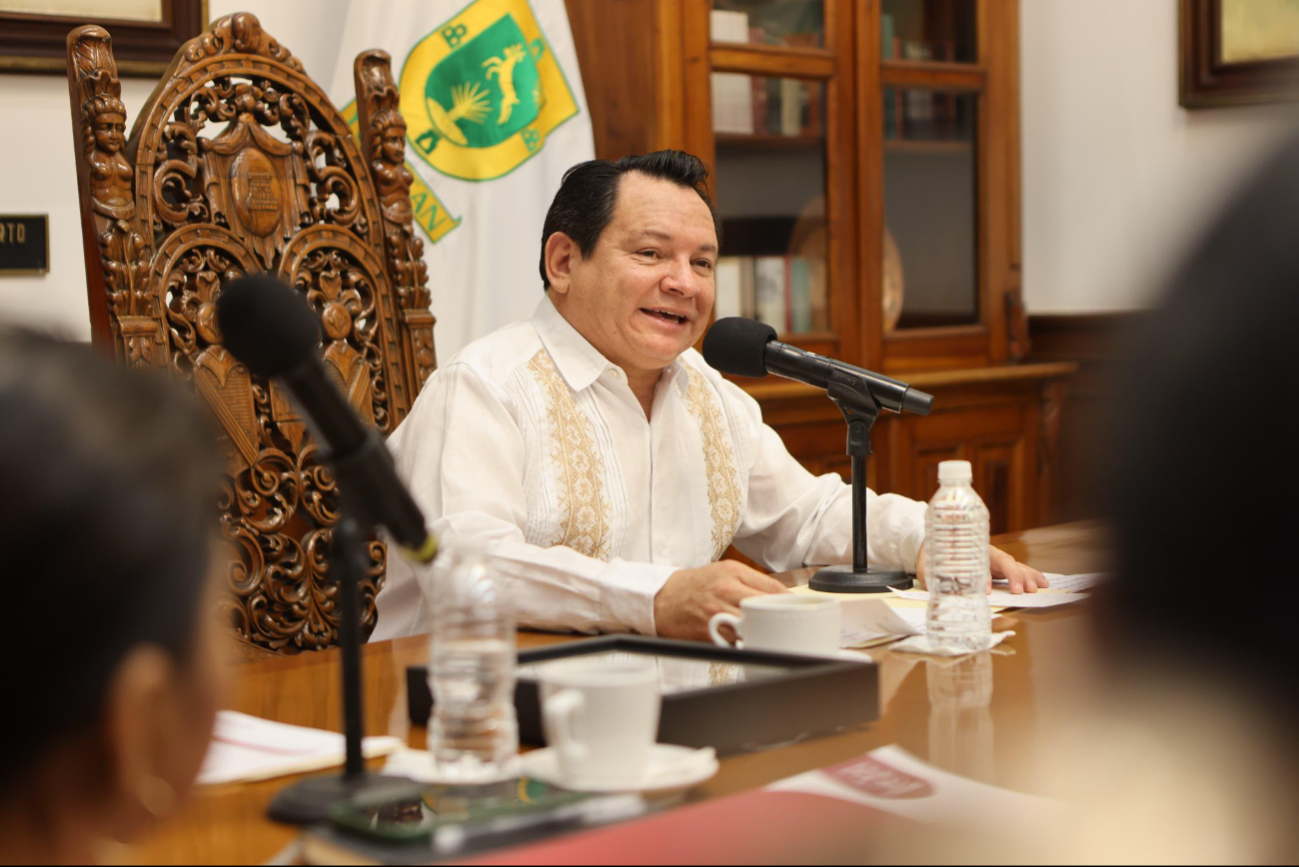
point(954, 471)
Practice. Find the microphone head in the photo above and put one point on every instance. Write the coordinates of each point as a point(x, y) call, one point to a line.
point(268, 326)
point(738, 346)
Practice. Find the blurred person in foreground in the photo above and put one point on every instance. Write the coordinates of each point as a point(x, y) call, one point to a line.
point(111, 676)
point(1174, 741)
point(1198, 627)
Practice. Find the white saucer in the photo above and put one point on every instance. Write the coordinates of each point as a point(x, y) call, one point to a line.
point(670, 767)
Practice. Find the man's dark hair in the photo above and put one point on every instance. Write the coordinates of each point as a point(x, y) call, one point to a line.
point(108, 512)
point(588, 194)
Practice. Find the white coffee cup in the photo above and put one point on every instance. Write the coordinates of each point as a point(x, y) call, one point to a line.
point(601, 717)
point(783, 622)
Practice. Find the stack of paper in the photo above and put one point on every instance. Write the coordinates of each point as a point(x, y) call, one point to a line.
point(1006, 599)
point(246, 748)
point(869, 621)
point(875, 619)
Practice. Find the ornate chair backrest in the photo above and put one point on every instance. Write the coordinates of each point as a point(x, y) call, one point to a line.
point(237, 164)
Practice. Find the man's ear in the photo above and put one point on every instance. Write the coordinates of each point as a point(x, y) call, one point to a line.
point(561, 254)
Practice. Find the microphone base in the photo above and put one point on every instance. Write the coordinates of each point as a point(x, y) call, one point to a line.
point(873, 579)
point(307, 802)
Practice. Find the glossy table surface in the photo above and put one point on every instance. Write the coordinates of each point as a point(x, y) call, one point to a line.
point(972, 717)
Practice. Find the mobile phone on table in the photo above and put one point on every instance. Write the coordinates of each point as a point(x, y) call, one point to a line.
point(419, 814)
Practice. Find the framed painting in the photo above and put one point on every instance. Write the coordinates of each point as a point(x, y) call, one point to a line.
point(146, 33)
point(1237, 52)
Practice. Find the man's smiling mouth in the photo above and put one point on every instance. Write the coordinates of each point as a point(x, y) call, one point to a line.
point(665, 315)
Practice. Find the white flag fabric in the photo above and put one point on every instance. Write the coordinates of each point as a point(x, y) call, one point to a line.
point(495, 113)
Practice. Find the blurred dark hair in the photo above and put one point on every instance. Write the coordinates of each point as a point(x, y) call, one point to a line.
point(1203, 486)
point(588, 194)
point(107, 514)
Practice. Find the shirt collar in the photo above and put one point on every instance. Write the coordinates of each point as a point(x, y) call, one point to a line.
point(580, 363)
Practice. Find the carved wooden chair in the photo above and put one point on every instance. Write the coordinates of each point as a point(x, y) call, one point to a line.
point(238, 163)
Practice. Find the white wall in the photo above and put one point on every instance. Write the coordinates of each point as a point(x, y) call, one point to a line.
point(37, 169)
point(1117, 177)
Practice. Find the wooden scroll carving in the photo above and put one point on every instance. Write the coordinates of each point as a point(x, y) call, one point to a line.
point(237, 164)
point(383, 140)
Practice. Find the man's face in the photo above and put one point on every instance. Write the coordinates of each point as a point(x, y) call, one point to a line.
point(644, 294)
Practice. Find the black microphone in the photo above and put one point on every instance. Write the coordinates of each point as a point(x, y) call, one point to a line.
point(745, 347)
point(270, 328)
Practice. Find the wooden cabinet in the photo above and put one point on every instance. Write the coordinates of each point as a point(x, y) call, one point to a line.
point(865, 165)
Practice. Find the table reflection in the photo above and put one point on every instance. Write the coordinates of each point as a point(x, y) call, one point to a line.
point(676, 674)
point(960, 716)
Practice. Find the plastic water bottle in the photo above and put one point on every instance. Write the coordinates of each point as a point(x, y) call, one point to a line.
point(474, 732)
point(956, 562)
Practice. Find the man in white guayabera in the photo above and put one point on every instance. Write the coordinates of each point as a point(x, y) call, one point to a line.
point(603, 465)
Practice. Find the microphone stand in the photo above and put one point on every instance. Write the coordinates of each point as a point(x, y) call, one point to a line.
point(309, 801)
point(860, 410)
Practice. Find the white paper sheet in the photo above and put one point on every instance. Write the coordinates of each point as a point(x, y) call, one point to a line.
point(868, 620)
point(246, 748)
point(1065, 583)
point(1006, 599)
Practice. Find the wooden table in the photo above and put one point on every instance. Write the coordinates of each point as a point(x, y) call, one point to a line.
point(972, 718)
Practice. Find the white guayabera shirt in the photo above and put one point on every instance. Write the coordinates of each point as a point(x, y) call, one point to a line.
point(532, 443)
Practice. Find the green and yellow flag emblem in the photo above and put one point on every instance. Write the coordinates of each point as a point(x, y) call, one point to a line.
point(482, 91)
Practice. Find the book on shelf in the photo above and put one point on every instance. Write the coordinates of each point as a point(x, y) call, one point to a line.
point(947, 52)
point(919, 102)
point(799, 283)
point(792, 102)
point(747, 303)
point(760, 85)
point(769, 288)
point(888, 50)
point(818, 315)
point(728, 297)
point(732, 103)
point(813, 122)
point(786, 292)
point(726, 25)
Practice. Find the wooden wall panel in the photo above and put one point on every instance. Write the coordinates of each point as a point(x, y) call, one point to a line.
point(619, 66)
point(1083, 422)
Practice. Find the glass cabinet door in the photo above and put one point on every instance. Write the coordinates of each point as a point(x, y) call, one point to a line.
point(770, 181)
point(930, 209)
point(931, 96)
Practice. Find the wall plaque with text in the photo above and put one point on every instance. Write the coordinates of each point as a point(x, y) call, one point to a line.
point(24, 243)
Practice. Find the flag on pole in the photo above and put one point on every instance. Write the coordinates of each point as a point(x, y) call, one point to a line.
point(495, 113)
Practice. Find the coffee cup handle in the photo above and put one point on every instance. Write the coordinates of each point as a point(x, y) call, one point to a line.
point(715, 634)
point(558, 710)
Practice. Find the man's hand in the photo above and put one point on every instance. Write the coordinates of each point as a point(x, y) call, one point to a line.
point(689, 599)
point(1019, 578)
